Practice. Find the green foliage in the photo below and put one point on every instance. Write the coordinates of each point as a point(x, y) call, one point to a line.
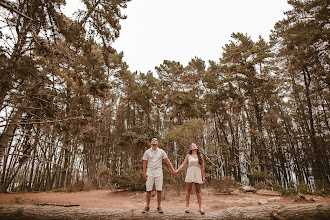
point(285, 191)
point(254, 164)
point(303, 188)
point(61, 190)
point(256, 176)
point(187, 133)
point(139, 135)
point(262, 176)
point(321, 187)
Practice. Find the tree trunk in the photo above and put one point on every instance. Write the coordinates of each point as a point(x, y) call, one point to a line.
point(315, 211)
point(4, 88)
point(21, 161)
point(317, 164)
point(8, 133)
point(260, 137)
point(66, 151)
point(32, 169)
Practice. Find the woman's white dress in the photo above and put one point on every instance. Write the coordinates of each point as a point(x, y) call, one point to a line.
point(194, 171)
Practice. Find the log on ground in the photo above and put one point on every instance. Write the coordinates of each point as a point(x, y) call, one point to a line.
point(294, 211)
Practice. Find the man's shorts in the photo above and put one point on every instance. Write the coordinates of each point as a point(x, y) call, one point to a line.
point(158, 181)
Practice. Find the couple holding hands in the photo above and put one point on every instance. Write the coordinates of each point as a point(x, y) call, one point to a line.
point(153, 173)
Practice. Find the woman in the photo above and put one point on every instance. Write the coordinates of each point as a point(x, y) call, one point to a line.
point(195, 174)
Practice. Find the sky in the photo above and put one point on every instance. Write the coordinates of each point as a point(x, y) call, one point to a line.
point(179, 30)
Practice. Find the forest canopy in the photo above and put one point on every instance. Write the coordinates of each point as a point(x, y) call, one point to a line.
point(72, 112)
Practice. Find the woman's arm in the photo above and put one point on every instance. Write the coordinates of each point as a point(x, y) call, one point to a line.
point(185, 162)
point(203, 168)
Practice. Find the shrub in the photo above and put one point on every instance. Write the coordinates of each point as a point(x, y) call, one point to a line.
point(322, 187)
point(285, 191)
point(61, 190)
point(131, 179)
point(224, 185)
point(259, 176)
point(260, 185)
point(80, 185)
point(104, 177)
point(303, 188)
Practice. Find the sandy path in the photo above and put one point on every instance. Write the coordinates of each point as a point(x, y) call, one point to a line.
point(136, 200)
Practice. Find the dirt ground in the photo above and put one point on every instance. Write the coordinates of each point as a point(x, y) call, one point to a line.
point(173, 200)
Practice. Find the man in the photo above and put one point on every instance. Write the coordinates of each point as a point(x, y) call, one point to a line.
point(153, 172)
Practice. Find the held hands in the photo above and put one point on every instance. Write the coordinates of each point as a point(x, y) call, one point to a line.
point(174, 172)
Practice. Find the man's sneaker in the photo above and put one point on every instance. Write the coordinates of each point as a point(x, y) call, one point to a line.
point(160, 210)
point(146, 209)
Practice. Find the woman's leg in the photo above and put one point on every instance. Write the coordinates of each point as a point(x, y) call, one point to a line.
point(198, 193)
point(189, 186)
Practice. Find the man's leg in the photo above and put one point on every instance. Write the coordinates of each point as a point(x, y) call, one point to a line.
point(159, 188)
point(159, 198)
point(149, 185)
point(148, 196)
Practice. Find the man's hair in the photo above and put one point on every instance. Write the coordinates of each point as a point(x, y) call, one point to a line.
point(153, 138)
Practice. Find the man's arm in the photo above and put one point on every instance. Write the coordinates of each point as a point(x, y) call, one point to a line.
point(168, 162)
point(145, 169)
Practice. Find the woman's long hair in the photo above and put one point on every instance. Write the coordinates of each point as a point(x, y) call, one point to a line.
point(198, 155)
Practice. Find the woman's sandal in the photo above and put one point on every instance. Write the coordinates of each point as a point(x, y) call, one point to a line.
point(202, 211)
point(187, 210)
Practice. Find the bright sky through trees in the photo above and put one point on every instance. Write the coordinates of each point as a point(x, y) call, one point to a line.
point(178, 30)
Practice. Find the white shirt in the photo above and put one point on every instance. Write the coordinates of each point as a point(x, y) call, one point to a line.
point(154, 161)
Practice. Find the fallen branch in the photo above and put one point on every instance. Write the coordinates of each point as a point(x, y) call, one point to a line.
point(55, 204)
point(315, 211)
